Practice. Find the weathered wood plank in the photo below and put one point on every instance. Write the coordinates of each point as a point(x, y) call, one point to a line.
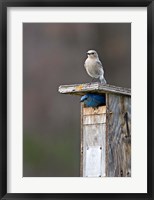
point(118, 136)
point(93, 135)
point(94, 141)
point(96, 119)
point(81, 89)
point(91, 111)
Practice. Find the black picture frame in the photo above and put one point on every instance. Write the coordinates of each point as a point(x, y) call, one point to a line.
point(3, 95)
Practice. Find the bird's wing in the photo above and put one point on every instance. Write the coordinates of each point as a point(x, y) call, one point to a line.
point(98, 69)
point(96, 99)
point(99, 62)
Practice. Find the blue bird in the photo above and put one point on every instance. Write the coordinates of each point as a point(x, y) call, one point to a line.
point(93, 100)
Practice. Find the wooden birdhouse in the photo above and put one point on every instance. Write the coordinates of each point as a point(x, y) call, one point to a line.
point(105, 131)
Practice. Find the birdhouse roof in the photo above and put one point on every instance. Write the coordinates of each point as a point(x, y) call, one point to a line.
point(81, 89)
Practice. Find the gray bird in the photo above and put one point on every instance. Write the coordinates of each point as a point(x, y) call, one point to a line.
point(94, 66)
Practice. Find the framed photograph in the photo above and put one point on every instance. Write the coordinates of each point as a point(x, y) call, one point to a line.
point(76, 99)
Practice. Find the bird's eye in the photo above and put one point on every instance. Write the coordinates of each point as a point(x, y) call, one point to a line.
point(90, 53)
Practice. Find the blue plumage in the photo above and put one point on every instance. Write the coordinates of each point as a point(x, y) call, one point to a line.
point(93, 100)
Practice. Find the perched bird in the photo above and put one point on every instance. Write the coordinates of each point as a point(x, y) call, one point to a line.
point(93, 100)
point(94, 67)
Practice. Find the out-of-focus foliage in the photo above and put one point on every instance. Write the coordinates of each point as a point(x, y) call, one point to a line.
point(53, 55)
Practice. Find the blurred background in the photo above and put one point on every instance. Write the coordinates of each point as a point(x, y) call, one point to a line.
point(53, 55)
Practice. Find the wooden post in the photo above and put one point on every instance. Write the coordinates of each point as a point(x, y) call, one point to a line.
point(105, 131)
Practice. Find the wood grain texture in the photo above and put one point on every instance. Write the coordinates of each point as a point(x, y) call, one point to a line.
point(94, 119)
point(91, 111)
point(82, 89)
point(118, 161)
point(94, 135)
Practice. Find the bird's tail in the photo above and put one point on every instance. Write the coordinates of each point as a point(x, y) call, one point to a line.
point(102, 80)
